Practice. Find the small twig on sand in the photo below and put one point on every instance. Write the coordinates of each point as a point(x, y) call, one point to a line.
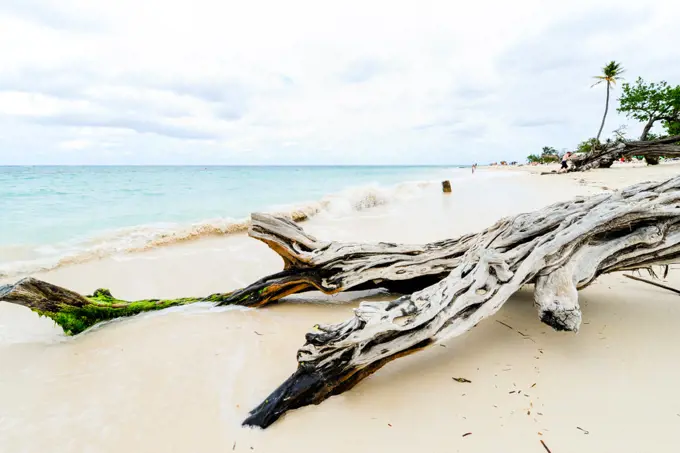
point(644, 280)
point(512, 328)
point(584, 431)
point(545, 446)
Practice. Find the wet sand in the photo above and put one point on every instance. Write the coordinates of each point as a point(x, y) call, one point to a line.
point(182, 380)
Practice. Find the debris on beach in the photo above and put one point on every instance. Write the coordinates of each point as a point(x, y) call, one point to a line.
point(446, 186)
point(461, 380)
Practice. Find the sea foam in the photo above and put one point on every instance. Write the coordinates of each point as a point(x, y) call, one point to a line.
point(146, 237)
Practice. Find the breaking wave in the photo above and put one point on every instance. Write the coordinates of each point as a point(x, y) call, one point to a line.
point(25, 260)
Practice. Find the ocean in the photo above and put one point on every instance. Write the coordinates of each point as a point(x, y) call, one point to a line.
point(54, 215)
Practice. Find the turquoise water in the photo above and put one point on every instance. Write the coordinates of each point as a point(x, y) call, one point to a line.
point(55, 211)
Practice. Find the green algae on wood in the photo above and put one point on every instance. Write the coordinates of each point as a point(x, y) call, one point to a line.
point(75, 313)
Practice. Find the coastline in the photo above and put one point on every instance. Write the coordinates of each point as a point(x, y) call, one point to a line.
point(182, 380)
point(618, 176)
point(37, 250)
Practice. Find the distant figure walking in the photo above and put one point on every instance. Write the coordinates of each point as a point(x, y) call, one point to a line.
point(474, 167)
point(565, 167)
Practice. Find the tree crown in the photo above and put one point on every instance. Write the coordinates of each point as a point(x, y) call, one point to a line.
point(650, 101)
point(611, 72)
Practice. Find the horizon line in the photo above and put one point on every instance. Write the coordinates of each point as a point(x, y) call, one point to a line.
point(233, 165)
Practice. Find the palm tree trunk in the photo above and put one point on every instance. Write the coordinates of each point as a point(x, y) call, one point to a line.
point(604, 117)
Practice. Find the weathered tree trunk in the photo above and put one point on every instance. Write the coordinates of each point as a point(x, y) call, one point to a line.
point(646, 129)
point(561, 248)
point(332, 267)
point(604, 157)
point(75, 313)
point(651, 160)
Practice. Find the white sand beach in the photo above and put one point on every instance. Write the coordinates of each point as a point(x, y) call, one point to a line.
point(182, 380)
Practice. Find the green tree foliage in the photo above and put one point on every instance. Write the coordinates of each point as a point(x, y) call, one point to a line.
point(610, 74)
point(651, 102)
point(587, 145)
point(548, 155)
point(672, 127)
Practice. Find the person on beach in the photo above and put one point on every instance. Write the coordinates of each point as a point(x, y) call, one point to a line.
point(564, 167)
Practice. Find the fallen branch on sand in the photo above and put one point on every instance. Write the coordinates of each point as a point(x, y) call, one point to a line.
point(309, 264)
point(75, 313)
point(650, 282)
point(561, 249)
point(604, 157)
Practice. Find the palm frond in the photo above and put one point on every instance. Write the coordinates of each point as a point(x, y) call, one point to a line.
point(611, 72)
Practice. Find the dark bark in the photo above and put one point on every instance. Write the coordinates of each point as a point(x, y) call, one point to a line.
point(651, 160)
point(647, 128)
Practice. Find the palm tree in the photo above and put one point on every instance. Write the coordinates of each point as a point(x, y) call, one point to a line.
point(610, 74)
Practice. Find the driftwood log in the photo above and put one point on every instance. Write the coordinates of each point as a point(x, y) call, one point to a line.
point(561, 249)
point(333, 267)
point(309, 264)
point(75, 313)
point(605, 156)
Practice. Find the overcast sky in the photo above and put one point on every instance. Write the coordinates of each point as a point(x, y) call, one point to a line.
point(291, 82)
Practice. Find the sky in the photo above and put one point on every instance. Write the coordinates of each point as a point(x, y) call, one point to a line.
point(310, 82)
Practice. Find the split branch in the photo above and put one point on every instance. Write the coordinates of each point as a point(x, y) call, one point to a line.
point(333, 267)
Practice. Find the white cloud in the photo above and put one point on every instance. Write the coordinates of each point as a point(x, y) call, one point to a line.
point(207, 81)
point(75, 144)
